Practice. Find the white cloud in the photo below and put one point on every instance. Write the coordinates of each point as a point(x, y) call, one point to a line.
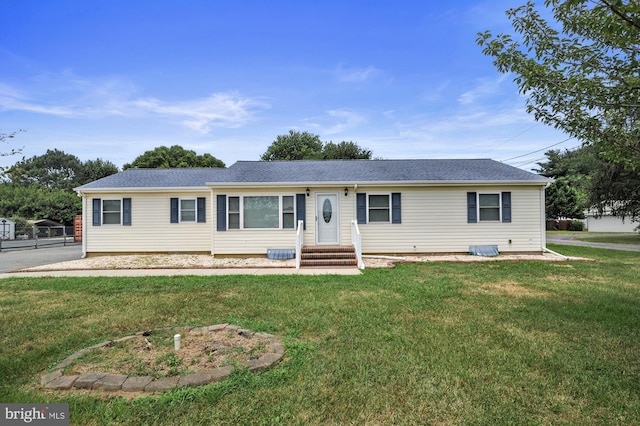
point(355, 75)
point(228, 110)
point(484, 88)
point(72, 97)
point(335, 121)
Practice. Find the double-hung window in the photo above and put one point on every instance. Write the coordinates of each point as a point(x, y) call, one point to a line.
point(261, 212)
point(188, 210)
point(488, 207)
point(380, 208)
point(111, 211)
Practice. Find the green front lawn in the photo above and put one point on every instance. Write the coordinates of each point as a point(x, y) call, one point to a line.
point(434, 343)
point(614, 239)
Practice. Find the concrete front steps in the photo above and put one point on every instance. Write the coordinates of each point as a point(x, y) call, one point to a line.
point(328, 256)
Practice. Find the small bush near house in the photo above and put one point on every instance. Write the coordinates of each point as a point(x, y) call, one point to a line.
point(576, 225)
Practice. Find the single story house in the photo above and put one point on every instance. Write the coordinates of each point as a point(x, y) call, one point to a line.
point(377, 206)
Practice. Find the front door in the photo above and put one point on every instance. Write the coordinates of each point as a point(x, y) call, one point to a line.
point(327, 219)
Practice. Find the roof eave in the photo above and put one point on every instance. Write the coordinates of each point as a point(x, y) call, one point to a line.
point(431, 183)
point(81, 191)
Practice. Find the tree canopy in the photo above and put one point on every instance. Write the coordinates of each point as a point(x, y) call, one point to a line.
point(307, 146)
point(583, 180)
point(58, 170)
point(579, 70)
point(176, 156)
point(42, 186)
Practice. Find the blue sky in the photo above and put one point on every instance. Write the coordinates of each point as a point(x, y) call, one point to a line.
point(406, 79)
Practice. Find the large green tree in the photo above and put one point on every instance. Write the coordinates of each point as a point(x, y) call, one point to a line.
point(570, 193)
point(58, 170)
point(584, 180)
point(307, 146)
point(42, 186)
point(579, 70)
point(35, 201)
point(294, 146)
point(345, 151)
point(175, 156)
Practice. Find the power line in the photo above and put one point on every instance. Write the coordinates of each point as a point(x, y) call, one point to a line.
point(525, 162)
point(512, 137)
point(533, 152)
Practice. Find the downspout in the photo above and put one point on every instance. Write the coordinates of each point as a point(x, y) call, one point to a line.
point(84, 222)
point(543, 225)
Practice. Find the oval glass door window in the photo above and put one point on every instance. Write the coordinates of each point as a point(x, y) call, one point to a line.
point(327, 211)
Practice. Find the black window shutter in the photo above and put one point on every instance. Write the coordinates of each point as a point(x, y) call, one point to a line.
point(472, 210)
point(126, 211)
point(97, 208)
point(202, 209)
point(301, 210)
point(175, 210)
point(396, 216)
point(221, 203)
point(361, 207)
point(506, 207)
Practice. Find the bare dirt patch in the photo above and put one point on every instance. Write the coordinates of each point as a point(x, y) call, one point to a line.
point(153, 353)
point(510, 288)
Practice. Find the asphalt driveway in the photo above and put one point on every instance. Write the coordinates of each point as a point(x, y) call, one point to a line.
point(13, 260)
point(570, 240)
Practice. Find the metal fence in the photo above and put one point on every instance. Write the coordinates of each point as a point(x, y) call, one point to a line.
point(33, 237)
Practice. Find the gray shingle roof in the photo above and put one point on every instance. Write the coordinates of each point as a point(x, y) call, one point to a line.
point(354, 171)
point(338, 171)
point(156, 178)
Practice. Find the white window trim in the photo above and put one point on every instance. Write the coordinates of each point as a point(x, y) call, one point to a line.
point(499, 194)
point(102, 212)
point(195, 210)
point(241, 212)
point(388, 195)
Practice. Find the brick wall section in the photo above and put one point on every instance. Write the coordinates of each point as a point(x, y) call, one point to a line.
point(77, 228)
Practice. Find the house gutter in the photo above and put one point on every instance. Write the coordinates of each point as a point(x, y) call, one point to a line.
point(432, 183)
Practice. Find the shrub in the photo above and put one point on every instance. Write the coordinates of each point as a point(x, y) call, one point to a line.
point(576, 225)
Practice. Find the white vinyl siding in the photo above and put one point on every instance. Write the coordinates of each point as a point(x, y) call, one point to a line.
point(150, 230)
point(434, 220)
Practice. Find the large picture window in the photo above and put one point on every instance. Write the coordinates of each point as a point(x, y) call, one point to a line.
point(261, 212)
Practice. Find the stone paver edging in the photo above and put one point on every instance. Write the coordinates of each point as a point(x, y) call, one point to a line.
point(120, 382)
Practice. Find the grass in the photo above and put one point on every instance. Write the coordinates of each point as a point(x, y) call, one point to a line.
point(614, 239)
point(436, 343)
